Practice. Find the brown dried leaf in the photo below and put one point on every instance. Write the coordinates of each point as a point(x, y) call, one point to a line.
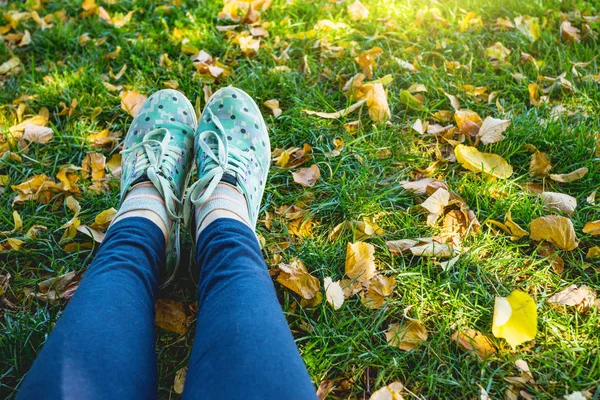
point(368, 61)
point(540, 165)
point(379, 110)
point(171, 315)
point(571, 176)
point(559, 202)
point(555, 229)
point(491, 130)
point(307, 176)
point(273, 105)
point(360, 261)
point(393, 391)
point(296, 277)
point(584, 298)
point(333, 293)
point(475, 341)
point(406, 336)
point(337, 114)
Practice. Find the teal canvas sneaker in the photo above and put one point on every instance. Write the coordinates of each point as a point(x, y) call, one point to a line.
point(158, 149)
point(232, 147)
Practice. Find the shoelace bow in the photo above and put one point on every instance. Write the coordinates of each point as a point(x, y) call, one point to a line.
point(226, 160)
point(159, 158)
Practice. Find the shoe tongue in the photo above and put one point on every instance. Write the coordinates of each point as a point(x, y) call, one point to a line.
point(229, 179)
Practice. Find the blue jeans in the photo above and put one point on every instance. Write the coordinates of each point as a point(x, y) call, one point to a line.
point(103, 345)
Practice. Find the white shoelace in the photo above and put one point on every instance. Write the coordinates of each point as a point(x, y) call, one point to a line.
point(159, 159)
point(226, 160)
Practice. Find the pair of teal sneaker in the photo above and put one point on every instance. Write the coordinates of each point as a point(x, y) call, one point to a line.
point(230, 143)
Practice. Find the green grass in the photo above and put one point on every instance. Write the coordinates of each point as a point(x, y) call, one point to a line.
point(347, 345)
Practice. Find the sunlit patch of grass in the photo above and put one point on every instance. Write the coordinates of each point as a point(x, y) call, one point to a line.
point(347, 344)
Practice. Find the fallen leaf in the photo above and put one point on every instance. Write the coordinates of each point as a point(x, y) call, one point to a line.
point(529, 26)
point(104, 218)
point(555, 229)
point(514, 229)
point(273, 105)
point(37, 134)
point(171, 315)
point(379, 287)
point(333, 293)
point(292, 157)
point(132, 101)
point(571, 176)
point(473, 340)
point(360, 261)
point(437, 202)
point(406, 336)
point(307, 176)
point(591, 199)
point(379, 110)
point(337, 114)
point(498, 52)
point(568, 32)
point(367, 61)
point(357, 11)
point(179, 381)
point(540, 165)
point(488, 163)
point(592, 227)
point(468, 122)
point(491, 130)
point(58, 288)
point(393, 391)
point(559, 202)
point(296, 277)
point(39, 187)
point(94, 164)
point(409, 101)
point(104, 139)
point(515, 318)
point(593, 252)
point(432, 249)
point(584, 298)
point(9, 65)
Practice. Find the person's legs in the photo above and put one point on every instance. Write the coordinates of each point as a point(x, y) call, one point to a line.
point(103, 344)
point(243, 347)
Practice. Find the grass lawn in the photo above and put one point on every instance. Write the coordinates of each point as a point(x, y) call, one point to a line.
point(436, 45)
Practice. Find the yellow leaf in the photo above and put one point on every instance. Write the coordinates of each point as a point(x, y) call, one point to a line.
point(470, 19)
point(360, 261)
point(432, 249)
point(515, 230)
point(475, 341)
point(179, 381)
point(476, 161)
point(104, 138)
point(515, 318)
point(529, 26)
point(468, 122)
point(497, 52)
point(592, 227)
point(379, 288)
point(555, 229)
point(367, 61)
point(15, 244)
point(406, 336)
point(296, 277)
point(593, 252)
point(9, 65)
point(171, 315)
point(357, 11)
point(94, 163)
point(571, 176)
point(273, 105)
point(379, 110)
point(104, 218)
point(333, 293)
point(307, 176)
point(132, 101)
point(540, 165)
